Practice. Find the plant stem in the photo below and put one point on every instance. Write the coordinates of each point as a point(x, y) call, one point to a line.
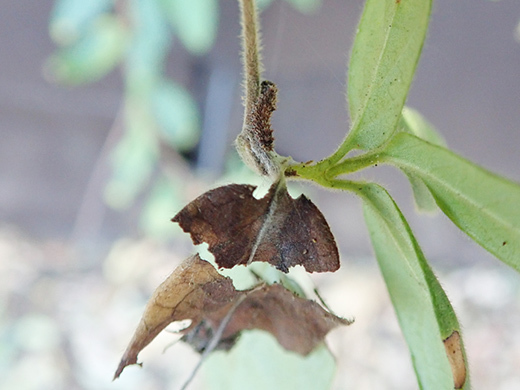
point(255, 143)
point(326, 168)
point(250, 55)
point(319, 178)
point(356, 163)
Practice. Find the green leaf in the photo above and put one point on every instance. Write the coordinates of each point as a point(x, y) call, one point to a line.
point(177, 115)
point(483, 205)
point(424, 200)
point(97, 52)
point(422, 307)
point(149, 47)
point(70, 19)
point(194, 21)
point(386, 51)
point(258, 362)
point(414, 123)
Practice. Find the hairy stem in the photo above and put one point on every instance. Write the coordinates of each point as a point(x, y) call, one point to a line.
point(328, 170)
point(250, 54)
point(255, 142)
point(356, 163)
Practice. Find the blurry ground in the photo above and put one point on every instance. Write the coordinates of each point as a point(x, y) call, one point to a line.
point(67, 311)
point(65, 323)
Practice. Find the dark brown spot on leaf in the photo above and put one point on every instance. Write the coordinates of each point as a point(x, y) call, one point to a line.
point(276, 229)
point(454, 351)
point(290, 172)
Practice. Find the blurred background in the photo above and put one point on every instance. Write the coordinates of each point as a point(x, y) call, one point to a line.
point(115, 113)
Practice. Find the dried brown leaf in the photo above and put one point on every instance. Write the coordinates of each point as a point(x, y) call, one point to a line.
point(298, 324)
point(194, 287)
point(276, 229)
point(196, 291)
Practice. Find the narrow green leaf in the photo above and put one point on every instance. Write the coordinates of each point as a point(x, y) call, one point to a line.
point(258, 362)
point(194, 21)
point(386, 51)
point(480, 203)
point(422, 307)
point(414, 123)
point(423, 198)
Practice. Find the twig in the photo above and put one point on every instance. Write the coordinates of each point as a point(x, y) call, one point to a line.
point(324, 304)
point(214, 340)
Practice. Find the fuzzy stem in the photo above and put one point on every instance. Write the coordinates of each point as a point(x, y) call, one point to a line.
point(255, 142)
point(326, 169)
point(357, 163)
point(250, 55)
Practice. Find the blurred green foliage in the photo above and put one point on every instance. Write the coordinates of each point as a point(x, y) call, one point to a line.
point(95, 37)
point(282, 370)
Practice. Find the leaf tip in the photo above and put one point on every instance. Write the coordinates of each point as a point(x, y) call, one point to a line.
point(125, 361)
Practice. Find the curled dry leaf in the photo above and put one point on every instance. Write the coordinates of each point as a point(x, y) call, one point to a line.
point(196, 291)
point(454, 350)
point(193, 287)
point(276, 229)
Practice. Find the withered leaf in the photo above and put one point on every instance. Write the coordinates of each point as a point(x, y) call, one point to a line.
point(298, 324)
point(276, 229)
point(196, 291)
point(192, 288)
point(454, 350)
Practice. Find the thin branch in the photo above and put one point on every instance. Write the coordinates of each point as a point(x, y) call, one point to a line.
point(214, 340)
